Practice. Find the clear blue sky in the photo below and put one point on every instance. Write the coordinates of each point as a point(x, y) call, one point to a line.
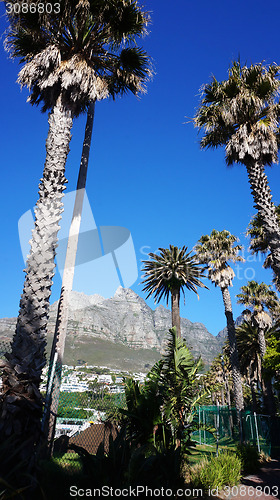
point(147, 172)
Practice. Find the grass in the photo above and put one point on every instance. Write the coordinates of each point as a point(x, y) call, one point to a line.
point(70, 462)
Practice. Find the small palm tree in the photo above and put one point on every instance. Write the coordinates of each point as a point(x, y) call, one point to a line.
point(169, 273)
point(215, 251)
point(259, 242)
point(250, 356)
point(242, 114)
point(257, 297)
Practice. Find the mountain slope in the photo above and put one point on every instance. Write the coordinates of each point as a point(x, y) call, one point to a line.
point(124, 324)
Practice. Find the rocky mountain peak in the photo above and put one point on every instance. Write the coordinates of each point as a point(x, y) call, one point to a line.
point(125, 320)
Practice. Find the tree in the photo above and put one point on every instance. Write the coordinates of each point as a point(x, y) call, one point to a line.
point(250, 357)
point(71, 58)
point(271, 361)
point(242, 114)
point(257, 297)
point(217, 379)
point(215, 251)
point(259, 242)
point(169, 273)
point(161, 410)
point(57, 352)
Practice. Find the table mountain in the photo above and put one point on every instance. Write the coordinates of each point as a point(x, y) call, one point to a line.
point(125, 322)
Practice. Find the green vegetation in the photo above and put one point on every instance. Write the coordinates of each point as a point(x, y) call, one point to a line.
point(249, 456)
point(216, 472)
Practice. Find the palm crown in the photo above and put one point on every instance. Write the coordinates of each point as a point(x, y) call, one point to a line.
point(173, 268)
point(86, 52)
point(241, 113)
point(215, 251)
point(257, 297)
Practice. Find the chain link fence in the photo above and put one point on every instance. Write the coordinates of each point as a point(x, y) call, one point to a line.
point(219, 426)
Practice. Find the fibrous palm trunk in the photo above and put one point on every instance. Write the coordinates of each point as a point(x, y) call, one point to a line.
point(234, 360)
point(261, 341)
point(175, 309)
point(58, 345)
point(21, 401)
point(266, 208)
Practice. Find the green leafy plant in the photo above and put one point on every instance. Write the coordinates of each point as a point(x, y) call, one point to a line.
point(216, 472)
point(249, 456)
point(161, 411)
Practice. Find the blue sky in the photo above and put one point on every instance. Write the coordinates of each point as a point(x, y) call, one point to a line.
point(147, 172)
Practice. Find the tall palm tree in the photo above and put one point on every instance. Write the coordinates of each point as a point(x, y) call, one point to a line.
point(242, 114)
point(81, 54)
point(257, 297)
point(168, 274)
point(259, 242)
point(57, 352)
point(216, 251)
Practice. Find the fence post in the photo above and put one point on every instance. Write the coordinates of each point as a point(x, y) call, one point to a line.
point(199, 425)
point(203, 415)
point(257, 432)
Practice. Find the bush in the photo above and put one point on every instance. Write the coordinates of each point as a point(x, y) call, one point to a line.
point(249, 456)
point(216, 472)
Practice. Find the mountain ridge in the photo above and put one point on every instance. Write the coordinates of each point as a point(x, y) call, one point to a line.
point(124, 319)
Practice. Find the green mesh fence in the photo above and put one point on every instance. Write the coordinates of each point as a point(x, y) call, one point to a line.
point(218, 426)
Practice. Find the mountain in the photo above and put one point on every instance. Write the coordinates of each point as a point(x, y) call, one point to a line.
point(121, 331)
point(222, 335)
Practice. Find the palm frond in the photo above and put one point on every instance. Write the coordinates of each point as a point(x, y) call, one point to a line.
point(173, 268)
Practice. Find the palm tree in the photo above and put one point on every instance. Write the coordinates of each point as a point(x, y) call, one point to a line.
point(71, 58)
point(259, 242)
point(169, 273)
point(215, 251)
point(250, 356)
point(242, 114)
point(57, 352)
point(257, 297)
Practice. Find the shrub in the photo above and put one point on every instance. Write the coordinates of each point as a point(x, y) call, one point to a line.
point(249, 456)
point(216, 472)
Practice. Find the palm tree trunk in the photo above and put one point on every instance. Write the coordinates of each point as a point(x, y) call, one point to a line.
point(175, 308)
point(21, 401)
point(234, 360)
point(253, 394)
point(222, 396)
point(262, 342)
point(266, 208)
point(58, 345)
